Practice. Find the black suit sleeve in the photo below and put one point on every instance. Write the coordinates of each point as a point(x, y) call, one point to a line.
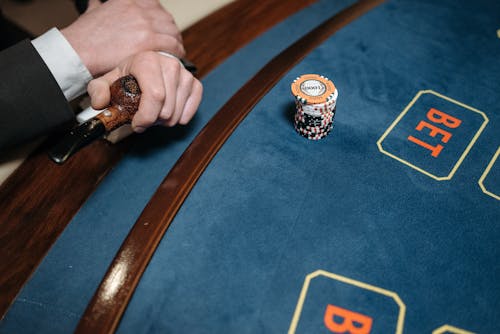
point(31, 102)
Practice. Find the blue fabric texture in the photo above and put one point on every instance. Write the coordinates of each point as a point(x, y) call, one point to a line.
point(273, 207)
point(62, 286)
point(382, 230)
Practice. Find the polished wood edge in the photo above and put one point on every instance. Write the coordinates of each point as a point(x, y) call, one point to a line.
point(249, 19)
point(40, 198)
point(111, 298)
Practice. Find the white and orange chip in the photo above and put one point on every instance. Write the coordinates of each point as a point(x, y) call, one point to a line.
point(313, 89)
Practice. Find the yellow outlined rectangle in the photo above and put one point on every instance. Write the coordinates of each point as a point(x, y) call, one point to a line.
point(365, 286)
point(450, 329)
point(485, 174)
point(464, 154)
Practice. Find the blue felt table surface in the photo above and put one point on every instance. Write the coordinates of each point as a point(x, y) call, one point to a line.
point(273, 207)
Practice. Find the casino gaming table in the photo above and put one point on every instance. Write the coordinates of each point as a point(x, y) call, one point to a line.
point(390, 224)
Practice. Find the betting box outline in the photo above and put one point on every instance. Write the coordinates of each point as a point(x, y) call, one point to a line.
point(450, 329)
point(405, 111)
point(485, 174)
point(320, 272)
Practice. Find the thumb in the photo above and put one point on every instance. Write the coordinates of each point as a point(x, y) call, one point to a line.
point(98, 89)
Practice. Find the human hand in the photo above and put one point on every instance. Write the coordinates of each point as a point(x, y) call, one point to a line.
point(170, 94)
point(109, 32)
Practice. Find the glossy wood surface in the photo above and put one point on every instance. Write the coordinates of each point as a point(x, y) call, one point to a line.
point(110, 300)
point(40, 198)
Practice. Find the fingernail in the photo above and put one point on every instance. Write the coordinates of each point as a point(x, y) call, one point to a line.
point(139, 129)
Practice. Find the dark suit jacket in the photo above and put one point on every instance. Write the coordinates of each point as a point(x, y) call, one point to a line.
point(31, 102)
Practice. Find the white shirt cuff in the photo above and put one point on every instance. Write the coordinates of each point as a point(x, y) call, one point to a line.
point(62, 60)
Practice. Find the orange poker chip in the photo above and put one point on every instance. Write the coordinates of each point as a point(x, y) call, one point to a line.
point(313, 89)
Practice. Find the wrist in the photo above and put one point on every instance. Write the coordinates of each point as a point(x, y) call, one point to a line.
point(78, 44)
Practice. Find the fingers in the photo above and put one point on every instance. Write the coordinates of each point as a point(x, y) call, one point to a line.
point(148, 71)
point(171, 71)
point(108, 33)
point(183, 92)
point(179, 100)
point(169, 93)
point(98, 89)
point(192, 103)
point(187, 99)
point(168, 36)
point(164, 23)
point(166, 30)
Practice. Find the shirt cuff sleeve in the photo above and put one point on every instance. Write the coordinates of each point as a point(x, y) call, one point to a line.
point(63, 62)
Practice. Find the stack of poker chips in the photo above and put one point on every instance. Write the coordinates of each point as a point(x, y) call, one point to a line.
point(315, 100)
